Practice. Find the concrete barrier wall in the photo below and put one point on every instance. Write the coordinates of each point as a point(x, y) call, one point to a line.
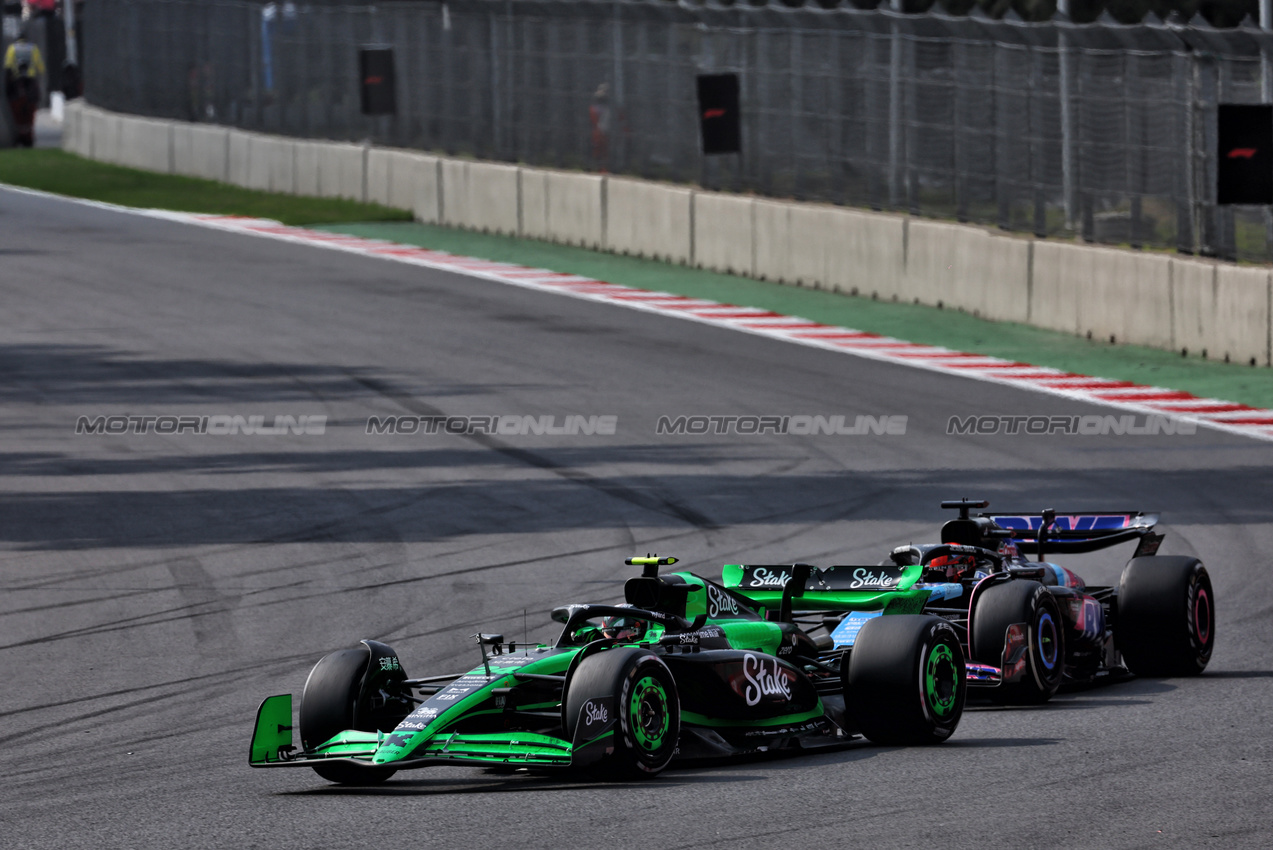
point(532, 187)
point(491, 204)
point(771, 236)
point(426, 192)
point(71, 126)
point(576, 211)
point(868, 254)
point(1243, 327)
point(1127, 298)
point(403, 180)
point(1132, 297)
point(306, 168)
point(810, 233)
point(1223, 310)
point(341, 171)
point(971, 269)
point(723, 233)
point(81, 143)
point(77, 142)
point(145, 144)
point(240, 151)
point(455, 193)
point(480, 196)
point(649, 220)
point(280, 163)
point(200, 150)
point(380, 164)
point(1058, 273)
point(105, 137)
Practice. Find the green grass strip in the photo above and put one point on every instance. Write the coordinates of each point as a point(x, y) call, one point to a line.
point(929, 325)
point(52, 170)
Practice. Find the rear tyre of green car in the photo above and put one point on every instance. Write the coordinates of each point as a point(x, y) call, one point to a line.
point(643, 692)
point(328, 707)
point(904, 683)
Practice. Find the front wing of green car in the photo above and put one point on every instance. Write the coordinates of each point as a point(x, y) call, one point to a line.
point(272, 745)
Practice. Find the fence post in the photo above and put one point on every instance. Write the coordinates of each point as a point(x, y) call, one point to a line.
point(1035, 111)
point(959, 177)
point(1067, 116)
point(1266, 96)
point(618, 138)
point(1135, 158)
point(909, 97)
point(894, 108)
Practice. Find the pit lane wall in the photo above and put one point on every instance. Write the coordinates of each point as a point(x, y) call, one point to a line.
point(1150, 299)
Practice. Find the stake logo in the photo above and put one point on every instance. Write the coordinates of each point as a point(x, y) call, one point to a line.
point(762, 577)
point(764, 679)
point(719, 602)
point(594, 713)
point(863, 577)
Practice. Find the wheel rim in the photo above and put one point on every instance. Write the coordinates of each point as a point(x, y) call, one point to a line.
point(1047, 641)
point(941, 683)
point(648, 709)
point(1202, 617)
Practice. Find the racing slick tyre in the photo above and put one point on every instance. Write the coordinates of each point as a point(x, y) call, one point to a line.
point(1165, 625)
point(327, 707)
point(645, 701)
point(1021, 601)
point(905, 683)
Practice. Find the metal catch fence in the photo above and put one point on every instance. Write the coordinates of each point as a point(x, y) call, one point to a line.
point(1101, 130)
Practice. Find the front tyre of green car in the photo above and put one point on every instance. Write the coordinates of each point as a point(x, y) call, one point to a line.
point(328, 707)
point(904, 683)
point(649, 709)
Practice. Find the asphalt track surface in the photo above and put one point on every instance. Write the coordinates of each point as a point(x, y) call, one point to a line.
point(156, 587)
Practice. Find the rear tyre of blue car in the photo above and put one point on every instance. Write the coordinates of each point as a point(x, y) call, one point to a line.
point(904, 682)
point(328, 706)
point(1165, 624)
point(642, 692)
point(1026, 602)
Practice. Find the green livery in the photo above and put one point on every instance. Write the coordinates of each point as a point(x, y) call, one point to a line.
point(686, 668)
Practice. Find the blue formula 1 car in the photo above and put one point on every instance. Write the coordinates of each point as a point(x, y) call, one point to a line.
point(1026, 627)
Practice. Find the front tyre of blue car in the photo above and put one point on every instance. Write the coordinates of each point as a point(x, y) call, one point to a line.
point(328, 707)
point(1030, 605)
point(904, 683)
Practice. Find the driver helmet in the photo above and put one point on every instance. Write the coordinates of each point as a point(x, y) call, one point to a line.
point(951, 567)
point(623, 628)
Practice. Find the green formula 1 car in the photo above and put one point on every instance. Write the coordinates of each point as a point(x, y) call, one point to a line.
point(687, 668)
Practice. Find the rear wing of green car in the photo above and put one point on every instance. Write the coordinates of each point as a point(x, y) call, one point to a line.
point(800, 587)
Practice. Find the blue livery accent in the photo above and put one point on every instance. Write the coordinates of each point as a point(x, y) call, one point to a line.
point(1048, 661)
point(945, 590)
point(847, 632)
point(1079, 522)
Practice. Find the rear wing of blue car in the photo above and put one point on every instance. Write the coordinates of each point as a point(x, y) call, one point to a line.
point(1074, 533)
point(1059, 532)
